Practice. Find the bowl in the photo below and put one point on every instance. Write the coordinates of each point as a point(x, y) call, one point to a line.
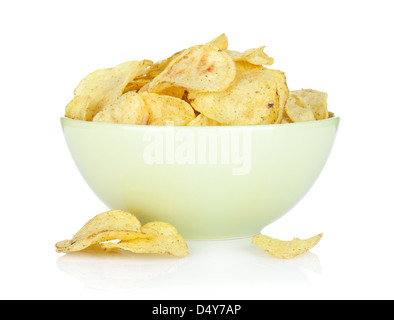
point(221, 182)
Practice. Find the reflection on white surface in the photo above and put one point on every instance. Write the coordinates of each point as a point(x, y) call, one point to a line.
point(117, 270)
point(227, 261)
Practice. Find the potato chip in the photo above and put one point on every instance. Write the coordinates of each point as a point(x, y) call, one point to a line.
point(135, 85)
point(104, 86)
point(169, 120)
point(256, 96)
point(156, 68)
point(109, 225)
point(286, 118)
point(307, 105)
point(168, 241)
point(202, 120)
point(203, 68)
point(297, 112)
point(165, 107)
point(285, 249)
point(311, 99)
point(129, 108)
point(254, 56)
point(221, 42)
point(175, 92)
point(81, 108)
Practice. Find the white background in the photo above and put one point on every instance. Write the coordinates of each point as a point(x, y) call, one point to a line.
point(342, 47)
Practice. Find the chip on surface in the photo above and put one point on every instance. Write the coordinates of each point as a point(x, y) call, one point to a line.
point(129, 108)
point(168, 241)
point(285, 249)
point(109, 225)
point(165, 107)
point(203, 68)
point(256, 96)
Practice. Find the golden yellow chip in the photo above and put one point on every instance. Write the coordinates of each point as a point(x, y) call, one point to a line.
point(166, 108)
point(285, 249)
point(286, 118)
point(255, 56)
point(221, 42)
point(81, 108)
point(104, 86)
point(168, 241)
point(314, 100)
point(155, 69)
point(203, 68)
point(256, 96)
point(298, 112)
point(169, 120)
point(129, 108)
point(135, 85)
point(202, 120)
point(175, 92)
point(109, 225)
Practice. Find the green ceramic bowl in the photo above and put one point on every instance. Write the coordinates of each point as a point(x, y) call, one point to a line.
point(209, 182)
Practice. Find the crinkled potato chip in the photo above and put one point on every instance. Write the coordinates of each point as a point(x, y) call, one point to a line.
point(135, 85)
point(129, 108)
point(166, 107)
point(109, 225)
point(285, 249)
point(81, 108)
point(168, 241)
point(156, 68)
point(221, 42)
point(202, 120)
point(286, 118)
point(255, 56)
point(203, 68)
point(175, 92)
point(297, 112)
point(314, 100)
point(256, 96)
point(307, 105)
point(104, 86)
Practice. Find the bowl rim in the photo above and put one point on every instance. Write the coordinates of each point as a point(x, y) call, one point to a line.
point(316, 123)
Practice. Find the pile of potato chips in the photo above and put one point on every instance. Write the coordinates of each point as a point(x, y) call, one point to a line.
point(118, 229)
point(204, 85)
point(126, 229)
